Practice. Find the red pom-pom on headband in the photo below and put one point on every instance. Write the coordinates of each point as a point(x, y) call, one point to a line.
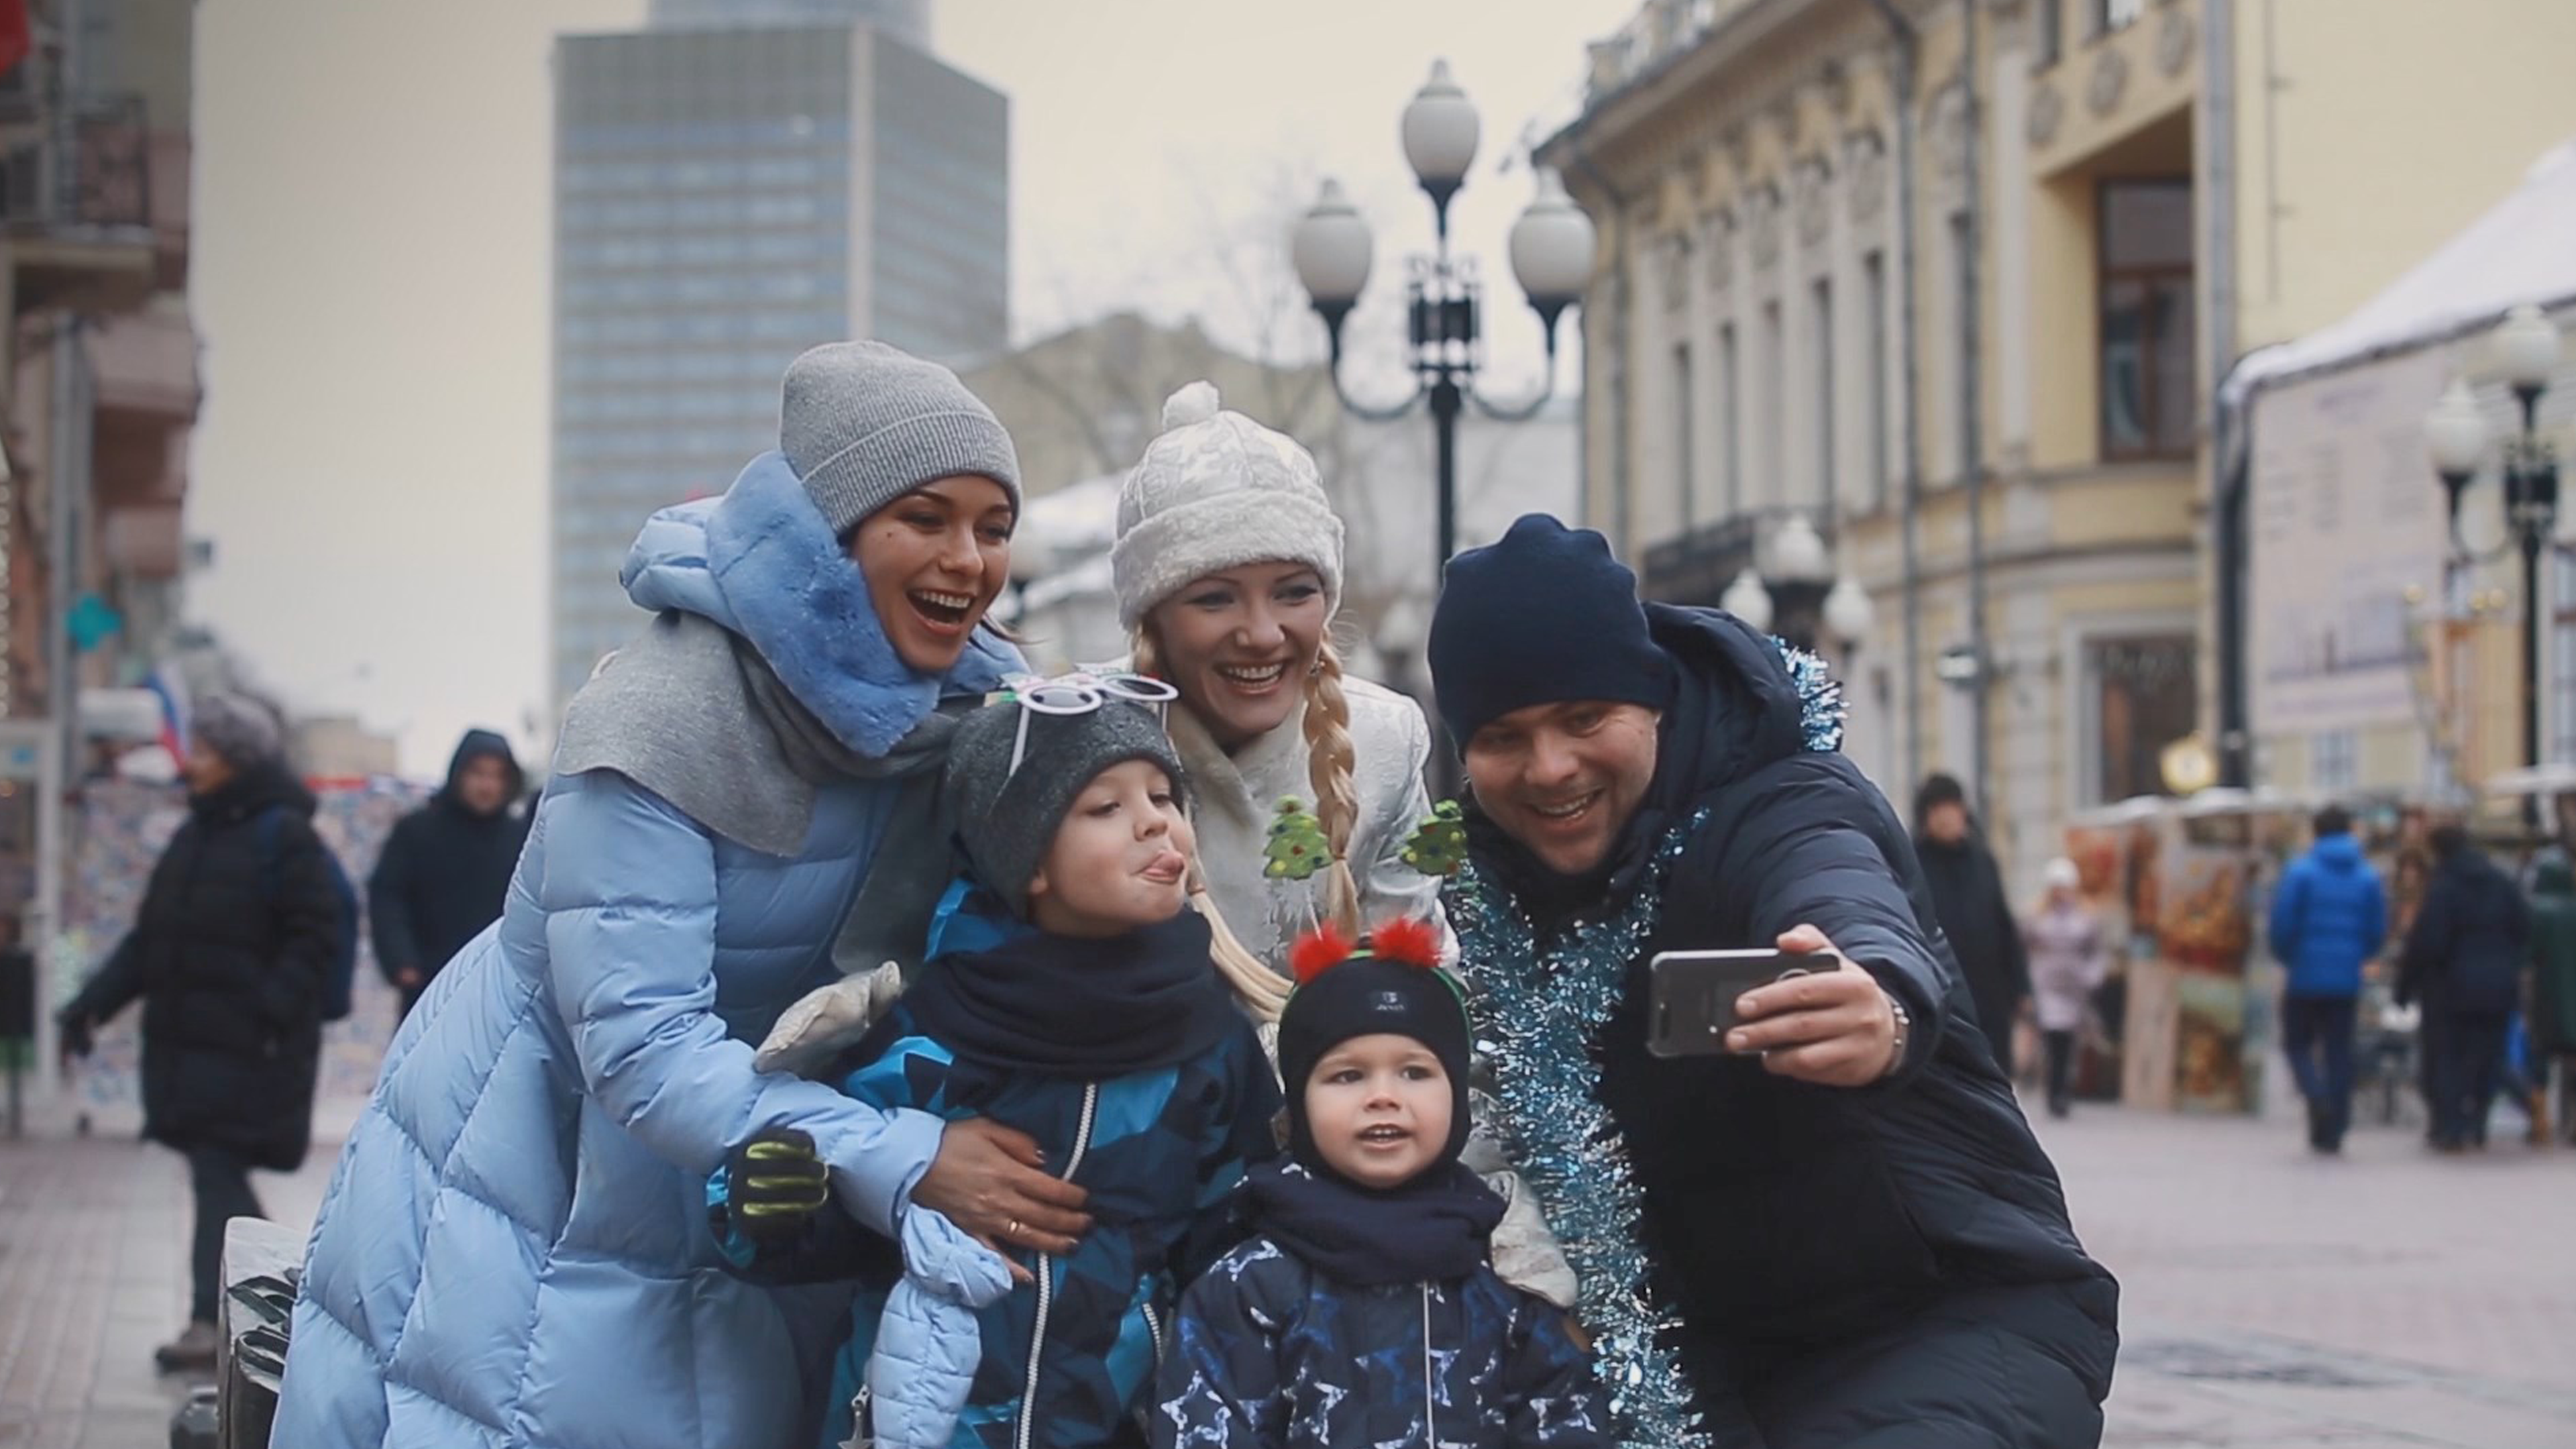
point(1408, 939)
point(1405, 940)
point(1318, 951)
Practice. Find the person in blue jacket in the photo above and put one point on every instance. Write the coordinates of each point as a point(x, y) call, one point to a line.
point(514, 1252)
point(1070, 995)
point(1365, 1310)
point(2329, 919)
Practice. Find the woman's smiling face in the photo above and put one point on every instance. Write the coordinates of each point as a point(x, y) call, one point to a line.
point(934, 560)
point(1238, 645)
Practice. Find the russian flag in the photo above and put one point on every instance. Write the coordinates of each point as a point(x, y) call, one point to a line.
point(171, 689)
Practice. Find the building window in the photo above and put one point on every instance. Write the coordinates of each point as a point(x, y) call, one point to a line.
point(1823, 307)
point(2146, 695)
point(2148, 329)
point(2047, 33)
point(1873, 270)
point(2110, 15)
point(1684, 406)
point(1767, 377)
point(1730, 402)
point(2334, 761)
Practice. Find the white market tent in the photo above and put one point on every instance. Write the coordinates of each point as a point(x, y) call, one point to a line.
point(2522, 250)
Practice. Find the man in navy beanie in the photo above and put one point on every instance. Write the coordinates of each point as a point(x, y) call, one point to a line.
point(1847, 1213)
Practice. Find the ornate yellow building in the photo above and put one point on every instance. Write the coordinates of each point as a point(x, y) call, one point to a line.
point(1955, 282)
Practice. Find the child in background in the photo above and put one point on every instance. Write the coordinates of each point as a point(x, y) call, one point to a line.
point(1364, 1310)
point(1069, 995)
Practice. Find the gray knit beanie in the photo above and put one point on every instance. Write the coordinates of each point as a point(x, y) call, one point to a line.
point(243, 730)
point(863, 424)
point(1217, 491)
point(1007, 819)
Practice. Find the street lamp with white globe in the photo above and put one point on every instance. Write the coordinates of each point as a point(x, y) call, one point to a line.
point(1551, 248)
point(1849, 618)
point(2526, 348)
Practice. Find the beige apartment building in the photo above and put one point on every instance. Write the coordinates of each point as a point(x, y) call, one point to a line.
point(1954, 282)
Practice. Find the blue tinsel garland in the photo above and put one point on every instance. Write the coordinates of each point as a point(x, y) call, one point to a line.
point(1536, 1010)
point(1821, 707)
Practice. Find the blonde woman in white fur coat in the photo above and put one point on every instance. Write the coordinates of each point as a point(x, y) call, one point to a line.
point(1228, 569)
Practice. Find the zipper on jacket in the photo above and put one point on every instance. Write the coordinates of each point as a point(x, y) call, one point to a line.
point(1430, 1429)
point(1046, 1295)
point(1154, 1329)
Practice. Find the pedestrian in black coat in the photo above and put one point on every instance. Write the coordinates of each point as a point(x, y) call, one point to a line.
point(230, 955)
point(1848, 1215)
point(445, 870)
point(2464, 959)
point(1975, 911)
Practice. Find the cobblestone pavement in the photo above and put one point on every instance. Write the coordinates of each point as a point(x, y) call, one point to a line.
point(2387, 1298)
point(94, 1272)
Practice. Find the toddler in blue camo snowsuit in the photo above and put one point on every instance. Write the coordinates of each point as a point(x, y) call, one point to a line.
point(1364, 1311)
point(1069, 994)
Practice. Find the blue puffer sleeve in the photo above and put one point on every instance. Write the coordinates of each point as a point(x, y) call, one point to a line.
point(929, 1342)
point(630, 902)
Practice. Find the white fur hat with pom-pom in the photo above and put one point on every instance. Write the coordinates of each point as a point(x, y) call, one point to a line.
point(1217, 491)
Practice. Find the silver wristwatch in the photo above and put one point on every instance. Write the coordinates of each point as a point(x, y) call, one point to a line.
point(1904, 1033)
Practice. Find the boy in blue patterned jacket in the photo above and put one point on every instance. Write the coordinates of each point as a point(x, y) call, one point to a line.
point(1364, 1313)
point(1069, 994)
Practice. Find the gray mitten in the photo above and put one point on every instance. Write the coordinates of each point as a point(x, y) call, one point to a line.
point(1526, 1254)
point(828, 1020)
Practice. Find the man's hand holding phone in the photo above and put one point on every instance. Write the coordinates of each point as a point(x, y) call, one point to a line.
point(1835, 1028)
point(1807, 1012)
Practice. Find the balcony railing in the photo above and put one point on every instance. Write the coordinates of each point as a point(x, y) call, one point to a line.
point(107, 183)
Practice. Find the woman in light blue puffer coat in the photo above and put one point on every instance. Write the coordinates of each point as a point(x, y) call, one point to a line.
point(515, 1250)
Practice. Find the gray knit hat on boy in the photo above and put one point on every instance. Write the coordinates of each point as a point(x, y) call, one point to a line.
point(1218, 491)
point(863, 424)
point(1006, 818)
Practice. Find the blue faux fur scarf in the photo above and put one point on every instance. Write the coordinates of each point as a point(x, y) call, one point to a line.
point(804, 606)
point(766, 674)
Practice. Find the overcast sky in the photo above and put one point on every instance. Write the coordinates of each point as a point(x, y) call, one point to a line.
point(371, 265)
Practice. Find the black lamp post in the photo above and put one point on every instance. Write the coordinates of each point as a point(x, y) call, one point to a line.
point(2526, 344)
point(1551, 252)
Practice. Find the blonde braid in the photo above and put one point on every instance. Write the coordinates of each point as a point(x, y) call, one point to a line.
point(1331, 763)
point(1263, 992)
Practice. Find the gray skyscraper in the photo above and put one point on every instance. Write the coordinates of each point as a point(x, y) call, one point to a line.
point(744, 180)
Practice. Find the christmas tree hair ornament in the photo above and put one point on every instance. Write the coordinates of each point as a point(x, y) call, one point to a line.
point(1298, 847)
point(1439, 845)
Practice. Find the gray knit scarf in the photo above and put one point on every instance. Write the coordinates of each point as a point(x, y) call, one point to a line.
point(692, 713)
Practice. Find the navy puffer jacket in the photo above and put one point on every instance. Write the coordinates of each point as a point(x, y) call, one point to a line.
point(2471, 939)
point(1271, 1354)
point(1791, 1217)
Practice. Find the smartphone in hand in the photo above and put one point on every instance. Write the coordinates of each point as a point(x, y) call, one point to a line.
point(1692, 994)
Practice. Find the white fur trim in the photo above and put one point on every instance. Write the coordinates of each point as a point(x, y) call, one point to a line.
point(1194, 403)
